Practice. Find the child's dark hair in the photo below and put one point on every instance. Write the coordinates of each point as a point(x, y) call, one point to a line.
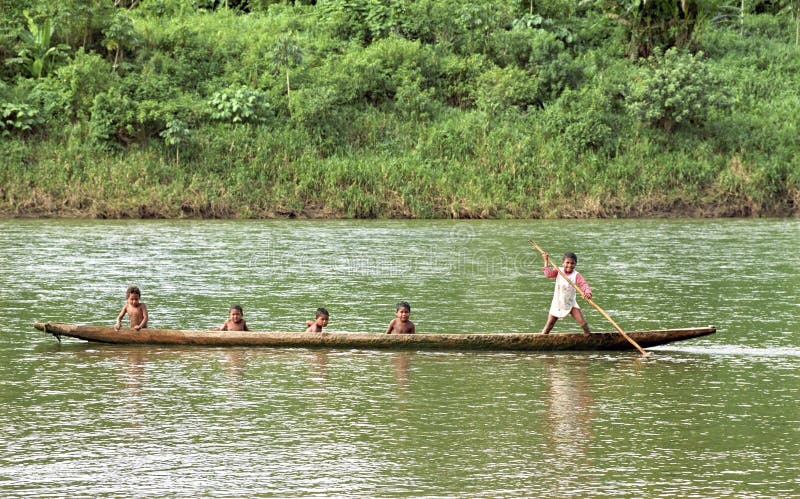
point(571, 256)
point(237, 308)
point(133, 290)
point(403, 304)
point(321, 312)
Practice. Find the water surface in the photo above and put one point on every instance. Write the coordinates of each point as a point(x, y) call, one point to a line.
point(713, 417)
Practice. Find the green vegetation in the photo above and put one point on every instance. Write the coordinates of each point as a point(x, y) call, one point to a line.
point(399, 108)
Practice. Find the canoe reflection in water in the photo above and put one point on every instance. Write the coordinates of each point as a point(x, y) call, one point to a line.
point(135, 379)
point(569, 410)
point(401, 362)
point(318, 362)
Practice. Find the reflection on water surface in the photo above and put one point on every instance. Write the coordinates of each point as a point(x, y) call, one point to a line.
point(714, 417)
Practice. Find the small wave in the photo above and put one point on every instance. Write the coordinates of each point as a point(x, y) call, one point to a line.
point(735, 350)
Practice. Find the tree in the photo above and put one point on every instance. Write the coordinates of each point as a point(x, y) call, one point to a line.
point(175, 134)
point(792, 8)
point(651, 24)
point(288, 54)
point(120, 34)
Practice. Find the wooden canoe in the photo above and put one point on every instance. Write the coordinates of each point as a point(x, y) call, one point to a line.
point(424, 341)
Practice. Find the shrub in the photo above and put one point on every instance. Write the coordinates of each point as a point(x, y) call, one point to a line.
point(17, 118)
point(780, 28)
point(415, 99)
point(673, 89)
point(585, 120)
point(503, 88)
point(554, 67)
point(372, 75)
point(126, 117)
point(84, 77)
point(239, 104)
point(39, 52)
point(359, 20)
point(512, 47)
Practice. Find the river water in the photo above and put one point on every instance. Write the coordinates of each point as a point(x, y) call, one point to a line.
point(717, 416)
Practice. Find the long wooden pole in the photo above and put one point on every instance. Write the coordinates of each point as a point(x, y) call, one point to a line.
point(603, 312)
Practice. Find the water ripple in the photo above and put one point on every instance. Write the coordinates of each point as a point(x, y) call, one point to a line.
point(714, 417)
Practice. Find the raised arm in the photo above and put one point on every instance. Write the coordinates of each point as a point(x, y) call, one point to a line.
point(547, 270)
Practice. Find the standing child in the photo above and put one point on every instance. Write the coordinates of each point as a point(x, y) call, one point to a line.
point(401, 324)
point(235, 321)
point(319, 322)
point(136, 310)
point(564, 299)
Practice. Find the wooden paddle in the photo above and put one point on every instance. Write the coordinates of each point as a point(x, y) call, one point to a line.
point(603, 312)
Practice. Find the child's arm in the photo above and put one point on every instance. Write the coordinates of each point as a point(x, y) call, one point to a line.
point(550, 272)
point(581, 282)
point(413, 329)
point(144, 317)
point(245, 327)
point(547, 270)
point(118, 324)
point(390, 328)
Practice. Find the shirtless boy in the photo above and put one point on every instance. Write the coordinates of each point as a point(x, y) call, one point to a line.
point(136, 310)
point(235, 321)
point(319, 322)
point(401, 324)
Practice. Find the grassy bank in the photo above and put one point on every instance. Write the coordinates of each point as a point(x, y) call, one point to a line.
point(317, 111)
point(495, 171)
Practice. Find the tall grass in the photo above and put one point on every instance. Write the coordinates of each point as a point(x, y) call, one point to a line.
point(465, 166)
point(399, 128)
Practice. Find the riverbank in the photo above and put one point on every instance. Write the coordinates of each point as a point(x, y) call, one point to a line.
point(41, 205)
point(254, 181)
point(488, 110)
point(81, 203)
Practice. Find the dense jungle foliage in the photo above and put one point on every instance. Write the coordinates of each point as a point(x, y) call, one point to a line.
point(399, 108)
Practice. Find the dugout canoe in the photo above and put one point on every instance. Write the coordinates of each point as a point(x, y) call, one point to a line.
point(421, 341)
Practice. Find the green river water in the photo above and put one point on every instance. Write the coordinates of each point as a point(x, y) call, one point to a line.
point(717, 416)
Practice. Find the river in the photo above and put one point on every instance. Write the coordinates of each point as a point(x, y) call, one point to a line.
point(717, 416)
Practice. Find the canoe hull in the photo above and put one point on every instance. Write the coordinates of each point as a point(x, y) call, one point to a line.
point(466, 341)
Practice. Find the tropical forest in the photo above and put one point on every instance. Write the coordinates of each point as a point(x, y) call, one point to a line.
point(399, 108)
